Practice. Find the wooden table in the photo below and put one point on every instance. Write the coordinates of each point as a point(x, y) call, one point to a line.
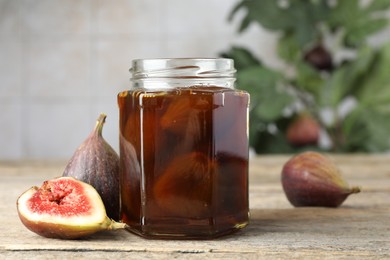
point(360, 229)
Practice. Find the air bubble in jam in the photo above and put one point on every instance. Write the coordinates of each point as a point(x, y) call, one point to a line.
point(59, 198)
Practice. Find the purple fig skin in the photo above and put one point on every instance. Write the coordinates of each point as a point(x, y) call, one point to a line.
point(304, 130)
point(310, 179)
point(96, 163)
point(319, 58)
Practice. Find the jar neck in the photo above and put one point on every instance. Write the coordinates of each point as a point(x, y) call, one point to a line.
point(172, 73)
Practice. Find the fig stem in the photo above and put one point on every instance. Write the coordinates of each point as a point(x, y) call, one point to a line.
point(355, 189)
point(99, 123)
point(116, 225)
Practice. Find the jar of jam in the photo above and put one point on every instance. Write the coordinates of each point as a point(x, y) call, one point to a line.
point(183, 149)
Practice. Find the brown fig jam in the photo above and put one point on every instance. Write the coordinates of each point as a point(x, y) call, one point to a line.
point(184, 149)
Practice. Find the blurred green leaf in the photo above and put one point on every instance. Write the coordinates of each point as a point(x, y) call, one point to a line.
point(345, 13)
point(378, 5)
point(358, 32)
point(288, 48)
point(242, 57)
point(271, 105)
point(257, 79)
point(267, 100)
point(366, 130)
point(334, 89)
point(265, 12)
point(374, 90)
point(300, 17)
point(309, 80)
point(272, 143)
point(347, 79)
point(357, 69)
point(357, 21)
point(305, 17)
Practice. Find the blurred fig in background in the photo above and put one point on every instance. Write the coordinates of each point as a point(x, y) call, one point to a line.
point(304, 130)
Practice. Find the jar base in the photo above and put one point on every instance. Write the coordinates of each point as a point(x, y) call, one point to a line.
point(184, 232)
point(185, 236)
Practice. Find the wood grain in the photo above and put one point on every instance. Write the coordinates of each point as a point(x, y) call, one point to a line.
point(360, 228)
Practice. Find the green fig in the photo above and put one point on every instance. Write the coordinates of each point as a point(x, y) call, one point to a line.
point(64, 208)
point(312, 179)
point(95, 162)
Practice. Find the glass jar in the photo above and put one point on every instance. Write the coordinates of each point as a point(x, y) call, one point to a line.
point(183, 149)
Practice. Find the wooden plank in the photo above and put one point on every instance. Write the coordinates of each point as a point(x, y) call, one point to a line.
point(358, 229)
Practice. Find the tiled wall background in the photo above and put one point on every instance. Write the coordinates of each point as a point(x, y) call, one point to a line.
point(62, 62)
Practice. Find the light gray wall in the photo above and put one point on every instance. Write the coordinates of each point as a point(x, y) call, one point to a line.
point(62, 62)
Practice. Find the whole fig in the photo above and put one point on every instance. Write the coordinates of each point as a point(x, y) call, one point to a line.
point(96, 163)
point(64, 208)
point(319, 58)
point(312, 179)
point(304, 130)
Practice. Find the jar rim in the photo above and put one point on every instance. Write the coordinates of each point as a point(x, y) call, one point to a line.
point(183, 67)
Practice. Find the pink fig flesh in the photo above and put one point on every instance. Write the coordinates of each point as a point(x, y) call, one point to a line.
point(64, 208)
point(312, 179)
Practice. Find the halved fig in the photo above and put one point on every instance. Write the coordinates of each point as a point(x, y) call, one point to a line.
point(64, 208)
point(183, 189)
